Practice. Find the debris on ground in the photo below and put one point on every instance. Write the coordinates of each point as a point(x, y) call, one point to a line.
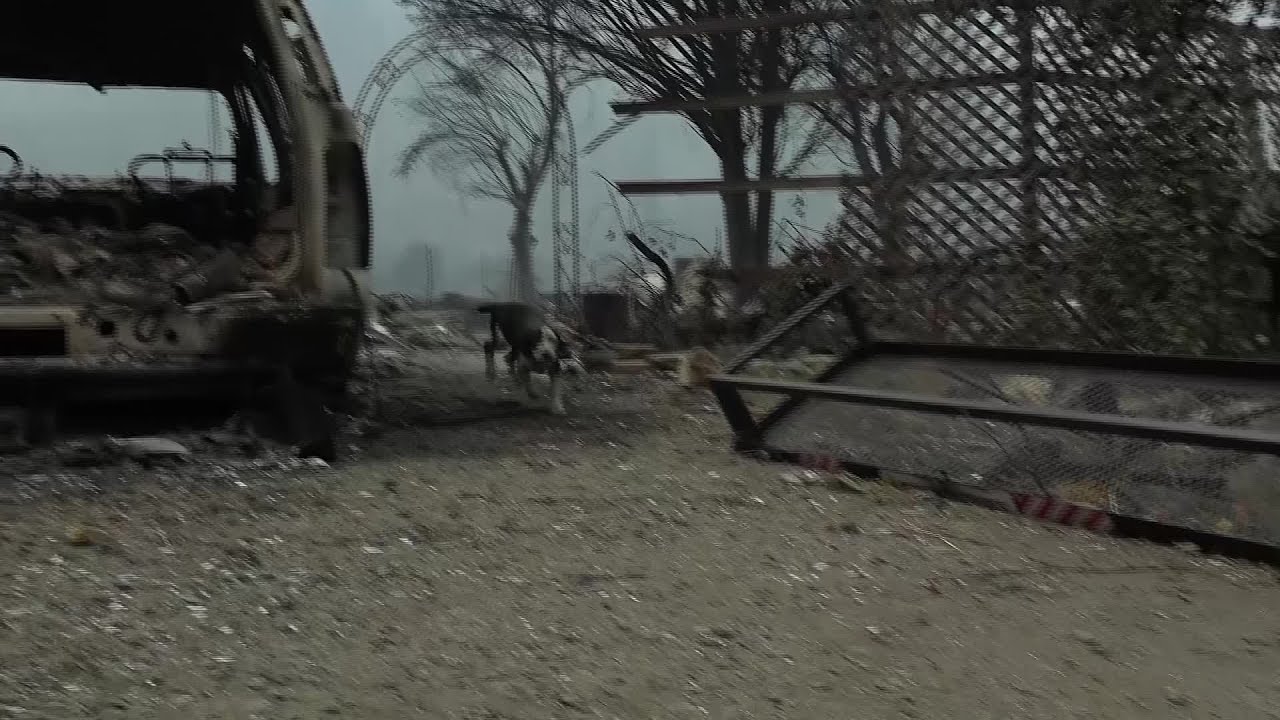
point(802, 477)
point(696, 368)
point(424, 329)
point(119, 271)
point(396, 302)
point(618, 561)
point(81, 536)
point(148, 448)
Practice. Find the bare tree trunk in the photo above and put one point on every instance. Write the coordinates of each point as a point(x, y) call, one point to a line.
point(744, 256)
point(769, 50)
point(522, 253)
point(768, 157)
point(747, 238)
point(737, 215)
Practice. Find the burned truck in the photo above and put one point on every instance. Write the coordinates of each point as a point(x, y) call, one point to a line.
point(188, 269)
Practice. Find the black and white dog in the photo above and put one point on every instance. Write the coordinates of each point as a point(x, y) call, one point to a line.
point(535, 347)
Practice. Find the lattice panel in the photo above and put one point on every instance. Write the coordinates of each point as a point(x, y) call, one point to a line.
point(1060, 48)
point(968, 128)
point(1269, 119)
point(953, 220)
point(948, 46)
point(985, 223)
point(1063, 50)
point(1066, 113)
point(1066, 208)
point(860, 225)
point(1264, 75)
point(977, 301)
point(946, 222)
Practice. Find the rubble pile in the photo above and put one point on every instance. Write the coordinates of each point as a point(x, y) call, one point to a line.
point(391, 303)
point(431, 328)
point(155, 267)
point(394, 343)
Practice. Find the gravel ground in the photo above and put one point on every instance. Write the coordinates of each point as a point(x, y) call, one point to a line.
point(615, 563)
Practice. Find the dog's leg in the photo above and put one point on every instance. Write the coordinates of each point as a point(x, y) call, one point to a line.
point(556, 392)
point(491, 347)
point(524, 376)
point(490, 370)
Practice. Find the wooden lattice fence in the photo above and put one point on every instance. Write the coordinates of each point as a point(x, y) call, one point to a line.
point(977, 167)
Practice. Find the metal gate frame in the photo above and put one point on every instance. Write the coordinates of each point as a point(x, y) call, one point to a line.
point(750, 434)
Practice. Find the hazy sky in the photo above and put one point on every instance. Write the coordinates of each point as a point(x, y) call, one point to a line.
point(61, 129)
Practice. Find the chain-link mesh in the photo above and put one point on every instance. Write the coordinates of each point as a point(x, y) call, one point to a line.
point(1083, 175)
point(1214, 490)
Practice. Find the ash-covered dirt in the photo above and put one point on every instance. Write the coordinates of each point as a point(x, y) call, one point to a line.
point(480, 559)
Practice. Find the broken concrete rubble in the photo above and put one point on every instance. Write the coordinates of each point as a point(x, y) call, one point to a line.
point(391, 303)
point(150, 447)
point(155, 266)
point(422, 329)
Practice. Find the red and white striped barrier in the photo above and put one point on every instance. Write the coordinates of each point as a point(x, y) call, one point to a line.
point(1040, 507)
point(825, 463)
point(1227, 538)
point(1051, 509)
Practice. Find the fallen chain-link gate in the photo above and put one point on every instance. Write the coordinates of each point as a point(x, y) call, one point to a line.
point(1168, 448)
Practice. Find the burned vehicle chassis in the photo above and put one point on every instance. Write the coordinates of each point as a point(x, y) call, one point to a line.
point(151, 285)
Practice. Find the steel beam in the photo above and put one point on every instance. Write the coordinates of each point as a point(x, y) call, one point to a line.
point(891, 87)
point(723, 102)
point(836, 182)
point(704, 187)
point(1249, 441)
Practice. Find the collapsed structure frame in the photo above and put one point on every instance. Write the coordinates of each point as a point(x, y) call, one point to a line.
point(1029, 169)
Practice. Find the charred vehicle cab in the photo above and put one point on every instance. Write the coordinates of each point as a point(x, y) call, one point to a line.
point(151, 282)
